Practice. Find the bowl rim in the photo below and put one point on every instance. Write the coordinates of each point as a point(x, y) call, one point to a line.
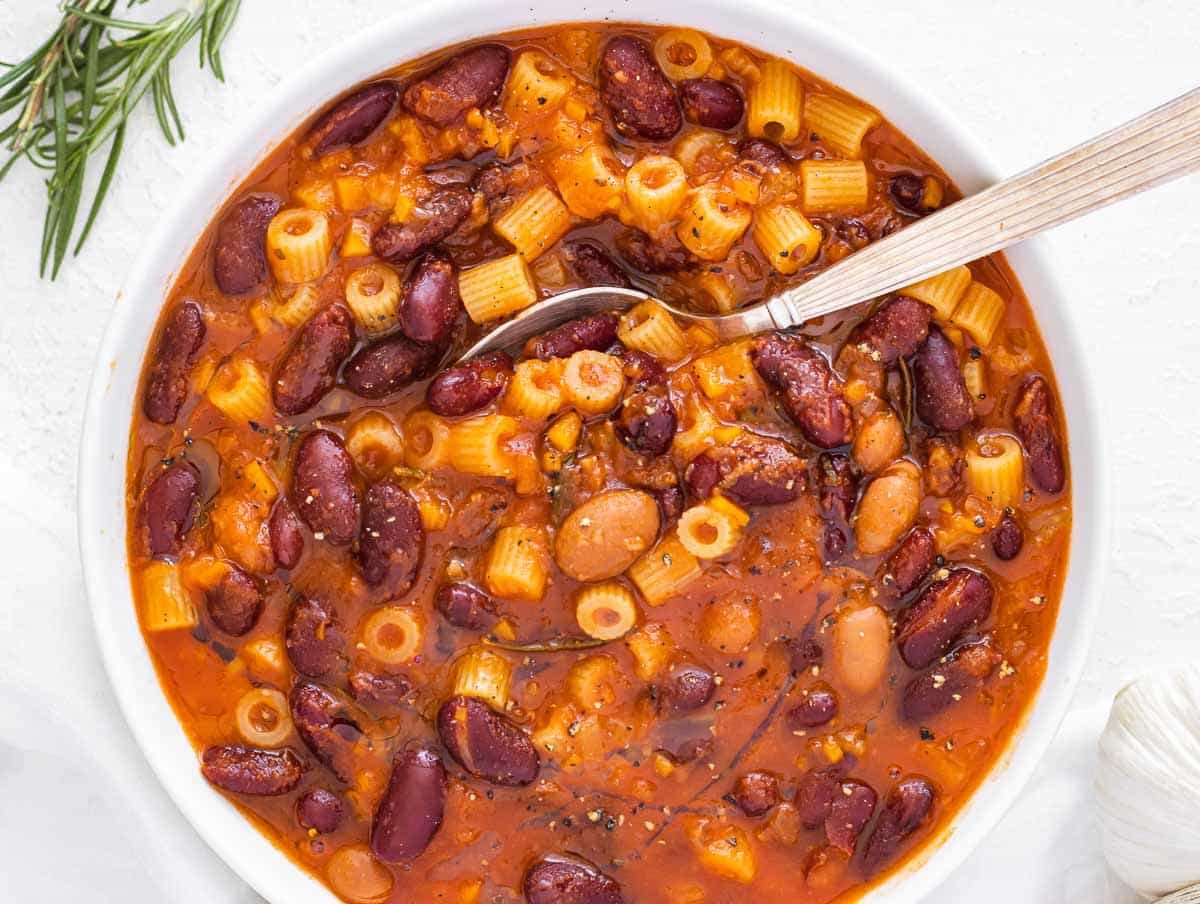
point(111, 397)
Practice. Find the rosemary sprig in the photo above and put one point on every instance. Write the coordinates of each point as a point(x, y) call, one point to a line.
point(74, 94)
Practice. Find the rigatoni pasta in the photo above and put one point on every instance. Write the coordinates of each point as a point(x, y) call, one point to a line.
point(979, 312)
point(518, 563)
point(651, 329)
point(830, 185)
point(839, 123)
point(942, 292)
point(498, 288)
point(534, 223)
point(786, 237)
point(775, 103)
point(713, 219)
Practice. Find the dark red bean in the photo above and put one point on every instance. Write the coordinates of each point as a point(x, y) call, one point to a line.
point(711, 103)
point(239, 250)
point(838, 490)
point(467, 387)
point(701, 476)
point(1007, 538)
point(818, 706)
point(688, 687)
point(171, 363)
point(287, 537)
point(319, 810)
point(593, 265)
point(379, 690)
point(472, 78)
point(849, 814)
point(328, 728)
point(645, 254)
point(485, 743)
point(435, 218)
point(596, 332)
point(687, 747)
point(310, 365)
point(323, 488)
point(942, 613)
point(168, 507)
point(465, 606)
point(639, 97)
point(235, 603)
point(894, 331)
point(947, 683)
point(670, 502)
point(804, 652)
point(910, 564)
point(353, 118)
point(250, 770)
point(767, 154)
point(392, 540)
point(1037, 426)
point(908, 193)
point(388, 366)
point(812, 392)
point(315, 641)
point(410, 813)
point(492, 181)
point(646, 422)
point(756, 793)
point(815, 792)
point(906, 807)
point(757, 470)
point(431, 305)
point(942, 398)
point(641, 370)
point(560, 879)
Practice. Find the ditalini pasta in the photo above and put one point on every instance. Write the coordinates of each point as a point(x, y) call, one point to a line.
point(496, 289)
point(979, 312)
point(534, 223)
point(942, 292)
point(373, 296)
point(298, 245)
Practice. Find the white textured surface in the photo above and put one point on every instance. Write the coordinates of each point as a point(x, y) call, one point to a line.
point(1030, 78)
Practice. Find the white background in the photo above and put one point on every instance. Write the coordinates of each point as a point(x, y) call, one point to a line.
point(82, 813)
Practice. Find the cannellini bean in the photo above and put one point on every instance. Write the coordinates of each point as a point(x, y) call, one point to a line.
point(878, 441)
point(888, 508)
point(861, 645)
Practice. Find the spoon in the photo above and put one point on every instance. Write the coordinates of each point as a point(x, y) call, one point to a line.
point(1156, 147)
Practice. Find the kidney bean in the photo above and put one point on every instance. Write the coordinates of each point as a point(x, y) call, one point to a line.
point(849, 814)
point(908, 193)
point(239, 250)
point(472, 78)
point(670, 502)
point(387, 366)
point(593, 265)
point(595, 332)
point(353, 118)
point(561, 879)
point(812, 393)
point(818, 705)
point(688, 687)
point(314, 638)
point(250, 770)
point(469, 386)
point(1008, 538)
point(323, 489)
point(287, 539)
point(942, 398)
point(392, 539)
point(910, 564)
point(168, 507)
point(319, 810)
point(905, 808)
point(327, 727)
point(837, 491)
point(641, 370)
point(646, 422)
point(1037, 427)
point(434, 219)
point(929, 627)
point(235, 603)
point(711, 103)
point(431, 306)
point(766, 154)
point(645, 254)
point(815, 792)
point(465, 606)
point(688, 747)
point(756, 792)
point(759, 471)
point(894, 331)
point(946, 683)
point(702, 476)
point(410, 813)
point(804, 652)
point(485, 743)
point(310, 365)
point(171, 363)
point(639, 97)
point(379, 690)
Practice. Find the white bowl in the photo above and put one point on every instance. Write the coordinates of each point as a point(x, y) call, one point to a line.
point(102, 526)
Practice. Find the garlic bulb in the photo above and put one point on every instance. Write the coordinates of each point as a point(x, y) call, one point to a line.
point(1148, 782)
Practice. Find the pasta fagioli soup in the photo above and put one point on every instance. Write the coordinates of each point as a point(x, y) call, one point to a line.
point(628, 614)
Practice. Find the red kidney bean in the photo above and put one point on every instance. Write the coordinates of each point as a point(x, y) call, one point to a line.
point(942, 398)
point(670, 502)
point(472, 78)
point(645, 254)
point(818, 706)
point(379, 690)
point(287, 538)
point(894, 331)
point(688, 747)
point(467, 387)
point(593, 265)
point(815, 792)
point(812, 392)
point(323, 489)
point(239, 250)
point(947, 683)
point(595, 332)
point(434, 219)
point(804, 652)
point(688, 687)
point(756, 793)
point(1037, 427)
point(485, 743)
point(319, 810)
point(310, 365)
point(767, 154)
point(758, 470)
point(908, 193)
point(942, 613)
point(251, 770)
point(327, 727)
point(641, 370)
point(646, 422)
point(849, 814)
point(171, 364)
point(314, 638)
point(465, 606)
point(561, 879)
point(711, 103)
point(168, 507)
point(392, 540)
point(492, 181)
point(388, 366)
point(702, 476)
point(639, 97)
point(353, 118)
point(910, 564)
point(431, 305)
point(410, 813)
point(905, 808)
point(235, 603)
point(838, 490)
point(1007, 538)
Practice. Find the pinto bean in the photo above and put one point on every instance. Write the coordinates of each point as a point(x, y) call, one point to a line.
point(250, 770)
point(905, 808)
point(171, 363)
point(352, 119)
point(878, 440)
point(319, 810)
point(410, 813)
point(767, 154)
point(287, 539)
point(688, 687)
point(702, 476)
point(1008, 538)
point(947, 683)
point(379, 690)
point(645, 254)
point(392, 540)
point(894, 331)
point(942, 398)
point(168, 507)
point(387, 366)
point(431, 305)
point(435, 218)
point(469, 79)
point(327, 727)
point(862, 648)
point(838, 488)
point(561, 879)
point(465, 606)
point(605, 535)
point(469, 386)
point(314, 638)
point(239, 250)
point(941, 615)
point(310, 365)
point(812, 393)
point(639, 97)
point(756, 792)
point(323, 488)
point(818, 705)
point(235, 603)
point(757, 470)
point(849, 814)
point(593, 265)
point(1036, 425)
point(711, 103)
point(595, 332)
point(910, 564)
point(647, 421)
point(888, 507)
point(485, 743)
